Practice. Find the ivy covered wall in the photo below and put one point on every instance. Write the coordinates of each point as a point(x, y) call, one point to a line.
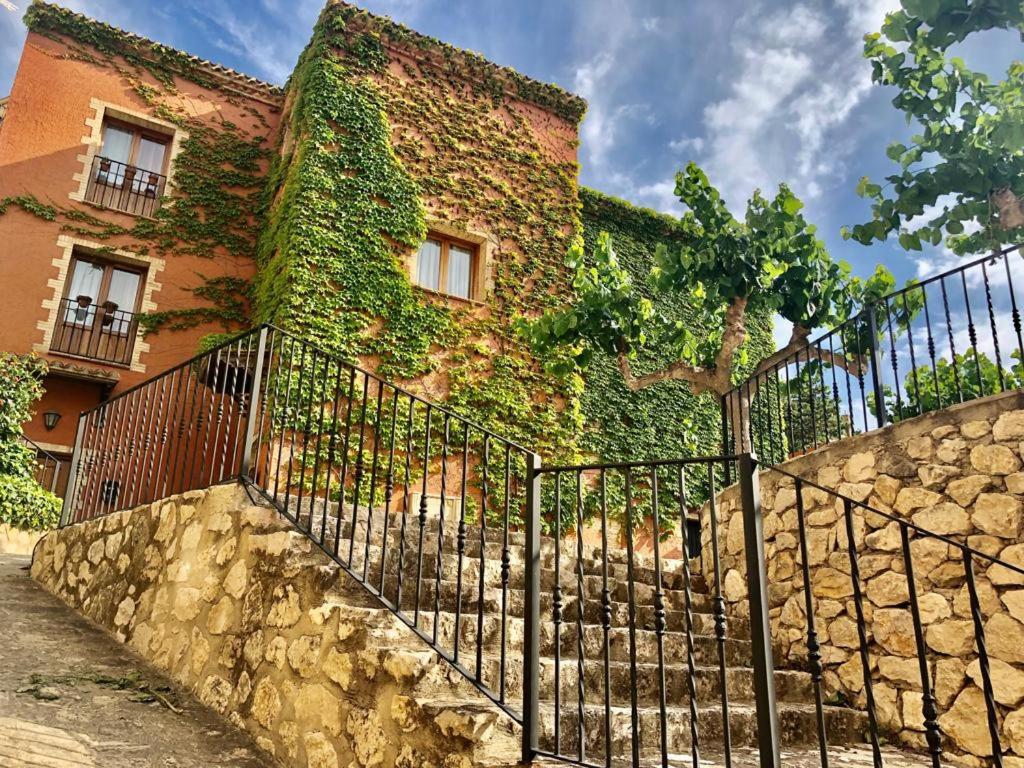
point(388, 133)
point(666, 419)
point(384, 135)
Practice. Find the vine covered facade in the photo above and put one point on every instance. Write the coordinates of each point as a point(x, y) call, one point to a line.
point(310, 207)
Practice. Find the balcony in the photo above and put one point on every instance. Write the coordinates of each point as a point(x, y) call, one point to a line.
point(125, 188)
point(99, 332)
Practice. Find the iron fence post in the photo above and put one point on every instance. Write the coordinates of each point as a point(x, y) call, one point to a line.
point(760, 628)
point(726, 446)
point(876, 367)
point(69, 492)
point(531, 613)
point(254, 406)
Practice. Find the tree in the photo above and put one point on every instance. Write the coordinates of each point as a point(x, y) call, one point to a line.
point(23, 502)
point(967, 376)
point(965, 170)
point(771, 261)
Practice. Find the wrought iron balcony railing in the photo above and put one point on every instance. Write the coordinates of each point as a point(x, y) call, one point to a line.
point(124, 187)
point(95, 331)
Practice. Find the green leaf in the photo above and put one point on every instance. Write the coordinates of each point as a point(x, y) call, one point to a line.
point(894, 152)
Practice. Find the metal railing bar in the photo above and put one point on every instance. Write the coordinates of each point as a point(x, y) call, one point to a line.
point(548, 469)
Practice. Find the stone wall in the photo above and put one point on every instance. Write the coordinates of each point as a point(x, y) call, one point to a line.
point(243, 611)
point(956, 473)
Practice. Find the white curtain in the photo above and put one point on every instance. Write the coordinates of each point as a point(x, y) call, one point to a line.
point(117, 143)
point(124, 288)
point(428, 265)
point(460, 262)
point(151, 155)
point(85, 281)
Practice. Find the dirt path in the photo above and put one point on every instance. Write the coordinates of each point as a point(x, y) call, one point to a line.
point(70, 695)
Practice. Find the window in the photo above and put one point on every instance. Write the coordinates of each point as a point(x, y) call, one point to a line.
point(448, 266)
point(98, 311)
point(128, 173)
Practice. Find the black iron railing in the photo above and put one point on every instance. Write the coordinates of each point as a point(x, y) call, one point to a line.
point(944, 340)
point(411, 499)
point(563, 593)
point(638, 650)
point(124, 187)
point(47, 466)
point(95, 331)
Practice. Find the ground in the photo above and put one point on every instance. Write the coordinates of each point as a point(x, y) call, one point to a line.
point(71, 695)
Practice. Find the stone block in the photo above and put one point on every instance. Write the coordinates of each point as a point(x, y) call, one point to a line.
point(994, 459)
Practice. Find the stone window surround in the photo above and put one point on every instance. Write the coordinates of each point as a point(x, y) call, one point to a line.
point(93, 141)
point(484, 272)
point(151, 265)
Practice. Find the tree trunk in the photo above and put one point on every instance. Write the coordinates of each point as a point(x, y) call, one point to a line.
point(1011, 212)
point(737, 407)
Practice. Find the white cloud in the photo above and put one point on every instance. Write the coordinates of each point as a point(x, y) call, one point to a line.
point(268, 46)
point(651, 24)
point(597, 131)
point(864, 16)
point(694, 144)
point(782, 331)
point(796, 81)
point(12, 35)
point(609, 29)
point(661, 195)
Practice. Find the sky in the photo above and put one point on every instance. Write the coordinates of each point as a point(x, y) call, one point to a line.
point(756, 92)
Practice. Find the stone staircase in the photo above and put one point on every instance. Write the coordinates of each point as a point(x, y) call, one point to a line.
point(443, 603)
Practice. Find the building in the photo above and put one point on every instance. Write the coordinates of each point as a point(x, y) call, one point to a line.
point(107, 187)
point(401, 203)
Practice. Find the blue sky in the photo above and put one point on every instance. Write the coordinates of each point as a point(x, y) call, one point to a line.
point(756, 92)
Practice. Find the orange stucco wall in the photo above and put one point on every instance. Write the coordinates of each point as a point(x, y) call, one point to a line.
point(41, 141)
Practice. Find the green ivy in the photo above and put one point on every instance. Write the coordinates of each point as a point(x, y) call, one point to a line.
point(329, 255)
point(362, 150)
point(667, 419)
point(368, 138)
point(23, 502)
point(30, 205)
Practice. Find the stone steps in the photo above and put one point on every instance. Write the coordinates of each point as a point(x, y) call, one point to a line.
point(515, 598)
point(491, 633)
point(791, 686)
point(643, 567)
point(705, 646)
point(368, 561)
point(793, 756)
point(582, 582)
point(702, 623)
point(593, 633)
point(492, 565)
point(797, 725)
